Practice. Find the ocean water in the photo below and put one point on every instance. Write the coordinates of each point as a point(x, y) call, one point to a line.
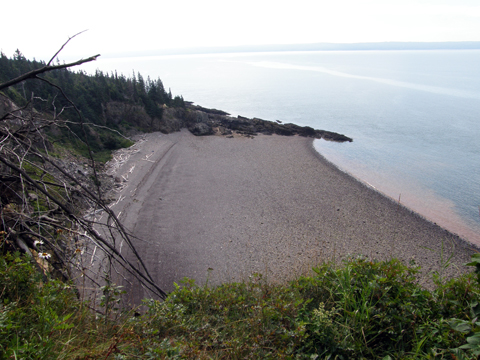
point(414, 115)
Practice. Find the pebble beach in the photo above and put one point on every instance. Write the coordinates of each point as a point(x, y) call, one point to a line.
point(219, 209)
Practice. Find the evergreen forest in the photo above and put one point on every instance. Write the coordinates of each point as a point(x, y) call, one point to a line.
point(112, 101)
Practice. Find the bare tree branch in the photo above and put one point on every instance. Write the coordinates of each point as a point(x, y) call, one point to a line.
point(28, 171)
point(34, 73)
point(63, 46)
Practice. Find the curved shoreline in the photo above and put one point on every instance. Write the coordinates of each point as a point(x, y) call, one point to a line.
point(461, 239)
point(412, 199)
point(270, 204)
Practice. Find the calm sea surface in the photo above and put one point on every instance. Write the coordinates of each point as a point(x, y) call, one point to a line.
point(414, 115)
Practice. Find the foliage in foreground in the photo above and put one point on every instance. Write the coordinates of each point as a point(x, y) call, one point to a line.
point(360, 310)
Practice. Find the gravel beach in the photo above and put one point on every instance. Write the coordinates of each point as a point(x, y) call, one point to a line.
point(223, 208)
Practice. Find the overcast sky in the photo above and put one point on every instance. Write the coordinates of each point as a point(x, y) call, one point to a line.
point(39, 28)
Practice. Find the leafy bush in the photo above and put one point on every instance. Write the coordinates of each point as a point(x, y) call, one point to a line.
point(375, 309)
point(32, 313)
point(360, 310)
point(237, 320)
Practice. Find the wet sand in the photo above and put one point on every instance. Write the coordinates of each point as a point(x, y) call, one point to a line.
point(223, 208)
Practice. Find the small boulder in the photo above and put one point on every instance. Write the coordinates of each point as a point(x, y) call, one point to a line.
point(201, 129)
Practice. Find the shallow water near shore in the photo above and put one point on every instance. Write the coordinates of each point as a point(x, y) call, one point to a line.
point(414, 115)
point(404, 189)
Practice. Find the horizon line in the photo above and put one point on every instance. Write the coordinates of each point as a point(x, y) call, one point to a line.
point(323, 46)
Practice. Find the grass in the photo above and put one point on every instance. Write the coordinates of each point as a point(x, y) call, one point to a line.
point(358, 310)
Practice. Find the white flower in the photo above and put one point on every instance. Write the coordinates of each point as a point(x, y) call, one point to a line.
point(45, 255)
point(38, 242)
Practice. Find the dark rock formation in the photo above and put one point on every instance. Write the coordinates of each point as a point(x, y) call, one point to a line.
point(205, 110)
point(128, 115)
point(201, 121)
point(6, 105)
point(201, 129)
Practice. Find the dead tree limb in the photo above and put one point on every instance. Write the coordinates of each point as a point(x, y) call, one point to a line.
point(26, 167)
point(34, 73)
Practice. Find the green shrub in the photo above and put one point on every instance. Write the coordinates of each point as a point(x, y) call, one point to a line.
point(360, 310)
point(373, 310)
point(32, 313)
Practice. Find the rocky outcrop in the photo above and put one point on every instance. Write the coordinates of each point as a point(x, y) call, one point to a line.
point(127, 115)
point(6, 105)
point(201, 129)
point(173, 119)
point(205, 110)
point(201, 122)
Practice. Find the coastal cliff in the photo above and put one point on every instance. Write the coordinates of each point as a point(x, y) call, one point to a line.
point(200, 121)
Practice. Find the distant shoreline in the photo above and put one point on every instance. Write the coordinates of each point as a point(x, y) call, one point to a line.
point(366, 46)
